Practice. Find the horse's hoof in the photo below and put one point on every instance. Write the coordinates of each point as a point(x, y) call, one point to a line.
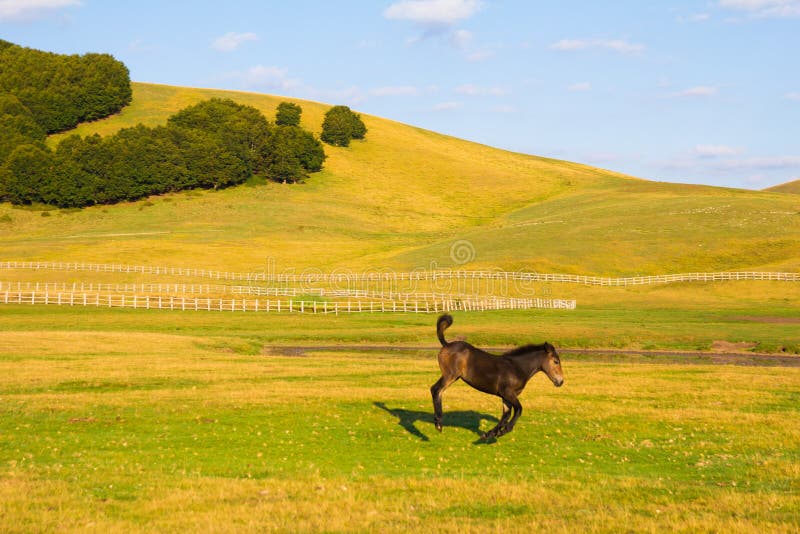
point(439, 427)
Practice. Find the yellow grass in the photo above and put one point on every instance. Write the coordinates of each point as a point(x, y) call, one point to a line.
point(402, 198)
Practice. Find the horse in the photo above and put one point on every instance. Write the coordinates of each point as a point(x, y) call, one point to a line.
point(502, 375)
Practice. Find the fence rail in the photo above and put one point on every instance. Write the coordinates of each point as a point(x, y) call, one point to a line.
point(183, 289)
point(421, 275)
point(254, 290)
point(183, 303)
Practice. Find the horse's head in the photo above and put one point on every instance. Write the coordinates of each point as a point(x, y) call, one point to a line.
point(552, 365)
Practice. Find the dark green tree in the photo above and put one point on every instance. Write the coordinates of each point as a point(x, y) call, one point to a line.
point(26, 174)
point(341, 125)
point(17, 126)
point(243, 130)
point(358, 126)
point(288, 114)
point(291, 153)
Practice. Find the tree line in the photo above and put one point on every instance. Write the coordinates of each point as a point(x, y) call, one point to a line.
point(216, 143)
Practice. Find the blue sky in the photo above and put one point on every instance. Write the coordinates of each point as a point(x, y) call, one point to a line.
point(704, 91)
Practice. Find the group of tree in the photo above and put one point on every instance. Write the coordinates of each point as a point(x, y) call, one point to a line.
point(216, 143)
point(60, 91)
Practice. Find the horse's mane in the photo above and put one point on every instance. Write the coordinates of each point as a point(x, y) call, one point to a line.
point(525, 349)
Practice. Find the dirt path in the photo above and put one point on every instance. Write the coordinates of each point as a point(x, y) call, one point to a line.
point(609, 355)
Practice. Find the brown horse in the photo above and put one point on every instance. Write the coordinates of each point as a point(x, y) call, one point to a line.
point(504, 375)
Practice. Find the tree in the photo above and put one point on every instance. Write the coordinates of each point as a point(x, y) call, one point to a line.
point(26, 174)
point(288, 114)
point(292, 153)
point(341, 125)
point(359, 128)
point(243, 130)
point(17, 126)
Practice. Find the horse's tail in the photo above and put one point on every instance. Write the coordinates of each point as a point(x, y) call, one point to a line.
point(443, 324)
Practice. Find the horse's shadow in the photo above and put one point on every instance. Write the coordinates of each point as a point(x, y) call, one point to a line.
point(469, 420)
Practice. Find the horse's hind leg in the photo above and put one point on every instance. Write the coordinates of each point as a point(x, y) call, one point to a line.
point(436, 393)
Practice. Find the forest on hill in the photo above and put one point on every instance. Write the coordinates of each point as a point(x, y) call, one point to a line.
point(60, 91)
point(212, 144)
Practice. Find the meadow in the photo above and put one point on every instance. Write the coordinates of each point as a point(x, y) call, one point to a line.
point(117, 428)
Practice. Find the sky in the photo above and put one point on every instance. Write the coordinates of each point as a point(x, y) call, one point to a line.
point(695, 91)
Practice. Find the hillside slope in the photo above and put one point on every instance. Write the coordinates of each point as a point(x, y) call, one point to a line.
point(402, 198)
point(788, 187)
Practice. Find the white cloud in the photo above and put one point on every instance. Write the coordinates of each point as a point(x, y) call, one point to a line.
point(761, 163)
point(764, 8)
point(504, 109)
point(579, 87)
point(433, 12)
point(445, 106)
point(792, 96)
point(461, 38)
point(400, 90)
point(600, 158)
point(139, 46)
point(277, 80)
point(232, 40)
point(700, 91)
point(265, 77)
point(26, 10)
point(349, 95)
point(615, 45)
point(623, 47)
point(475, 90)
point(437, 19)
point(715, 151)
point(569, 45)
point(479, 55)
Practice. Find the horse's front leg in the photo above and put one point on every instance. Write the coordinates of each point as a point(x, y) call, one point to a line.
point(516, 407)
point(498, 429)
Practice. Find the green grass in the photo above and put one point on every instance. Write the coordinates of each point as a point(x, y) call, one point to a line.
point(134, 432)
point(770, 327)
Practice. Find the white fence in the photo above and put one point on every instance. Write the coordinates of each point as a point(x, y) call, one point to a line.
point(420, 275)
point(171, 302)
point(254, 290)
point(183, 289)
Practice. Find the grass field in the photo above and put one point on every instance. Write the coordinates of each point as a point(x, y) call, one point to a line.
point(118, 420)
point(112, 431)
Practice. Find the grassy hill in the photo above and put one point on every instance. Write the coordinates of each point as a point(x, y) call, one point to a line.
point(402, 198)
point(788, 187)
